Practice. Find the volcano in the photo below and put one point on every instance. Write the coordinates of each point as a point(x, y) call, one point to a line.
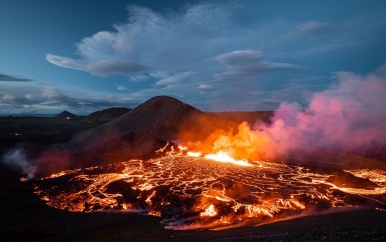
point(158, 120)
point(137, 133)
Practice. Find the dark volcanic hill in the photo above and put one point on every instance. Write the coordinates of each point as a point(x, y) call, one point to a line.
point(106, 114)
point(65, 115)
point(161, 118)
point(141, 131)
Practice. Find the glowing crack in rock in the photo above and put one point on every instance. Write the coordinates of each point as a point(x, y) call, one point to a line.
point(375, 175)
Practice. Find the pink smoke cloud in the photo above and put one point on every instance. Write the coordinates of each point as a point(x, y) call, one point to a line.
point(350, 116)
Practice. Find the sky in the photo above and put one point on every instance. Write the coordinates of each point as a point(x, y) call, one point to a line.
point(84, 56)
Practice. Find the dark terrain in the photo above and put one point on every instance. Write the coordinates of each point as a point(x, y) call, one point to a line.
point(39, 132)
point(27, 218)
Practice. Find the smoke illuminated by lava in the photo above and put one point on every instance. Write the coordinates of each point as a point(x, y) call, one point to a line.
point(349, 117)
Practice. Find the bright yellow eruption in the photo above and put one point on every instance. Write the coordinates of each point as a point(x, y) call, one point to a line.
point(194, 154)
point(223, 156)
point(209, 212)
point(245, 144)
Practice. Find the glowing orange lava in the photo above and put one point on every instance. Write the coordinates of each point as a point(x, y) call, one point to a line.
point(195, 192)
point(243, 145)
point(209, 211)
point(222, 182)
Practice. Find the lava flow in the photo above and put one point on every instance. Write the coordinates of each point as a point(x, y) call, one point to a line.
point(190, 191)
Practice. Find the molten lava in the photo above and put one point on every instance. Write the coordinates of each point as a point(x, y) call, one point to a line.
point(209, 211)
point(193, 191)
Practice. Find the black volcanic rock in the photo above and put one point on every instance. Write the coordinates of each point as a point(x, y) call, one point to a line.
point(147, 128)
point(65, 115)
point(106, 114)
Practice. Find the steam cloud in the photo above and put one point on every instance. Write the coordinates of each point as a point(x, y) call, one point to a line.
point(17, 159)
point(349, 117)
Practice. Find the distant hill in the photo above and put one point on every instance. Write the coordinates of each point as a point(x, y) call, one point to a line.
point(27, 115)
point(65, 115)
point(106, 114)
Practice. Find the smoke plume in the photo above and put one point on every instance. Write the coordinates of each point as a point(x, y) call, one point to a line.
point(17, 159)
point(348, 117)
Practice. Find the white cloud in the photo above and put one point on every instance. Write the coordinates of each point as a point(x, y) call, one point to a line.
point(170, 42)
point(311, 28)
point(65, 62)
point(206, 52)
point(244, 65)
point(52, 93)
point(29, 96)
point(364, 31)
point(8, 97)
point(205, 87)
point(122, 88)
point(175, 79)
point(46, 99)
point(114, 67)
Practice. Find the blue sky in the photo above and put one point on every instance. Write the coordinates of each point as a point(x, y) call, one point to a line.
point(84, 56)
